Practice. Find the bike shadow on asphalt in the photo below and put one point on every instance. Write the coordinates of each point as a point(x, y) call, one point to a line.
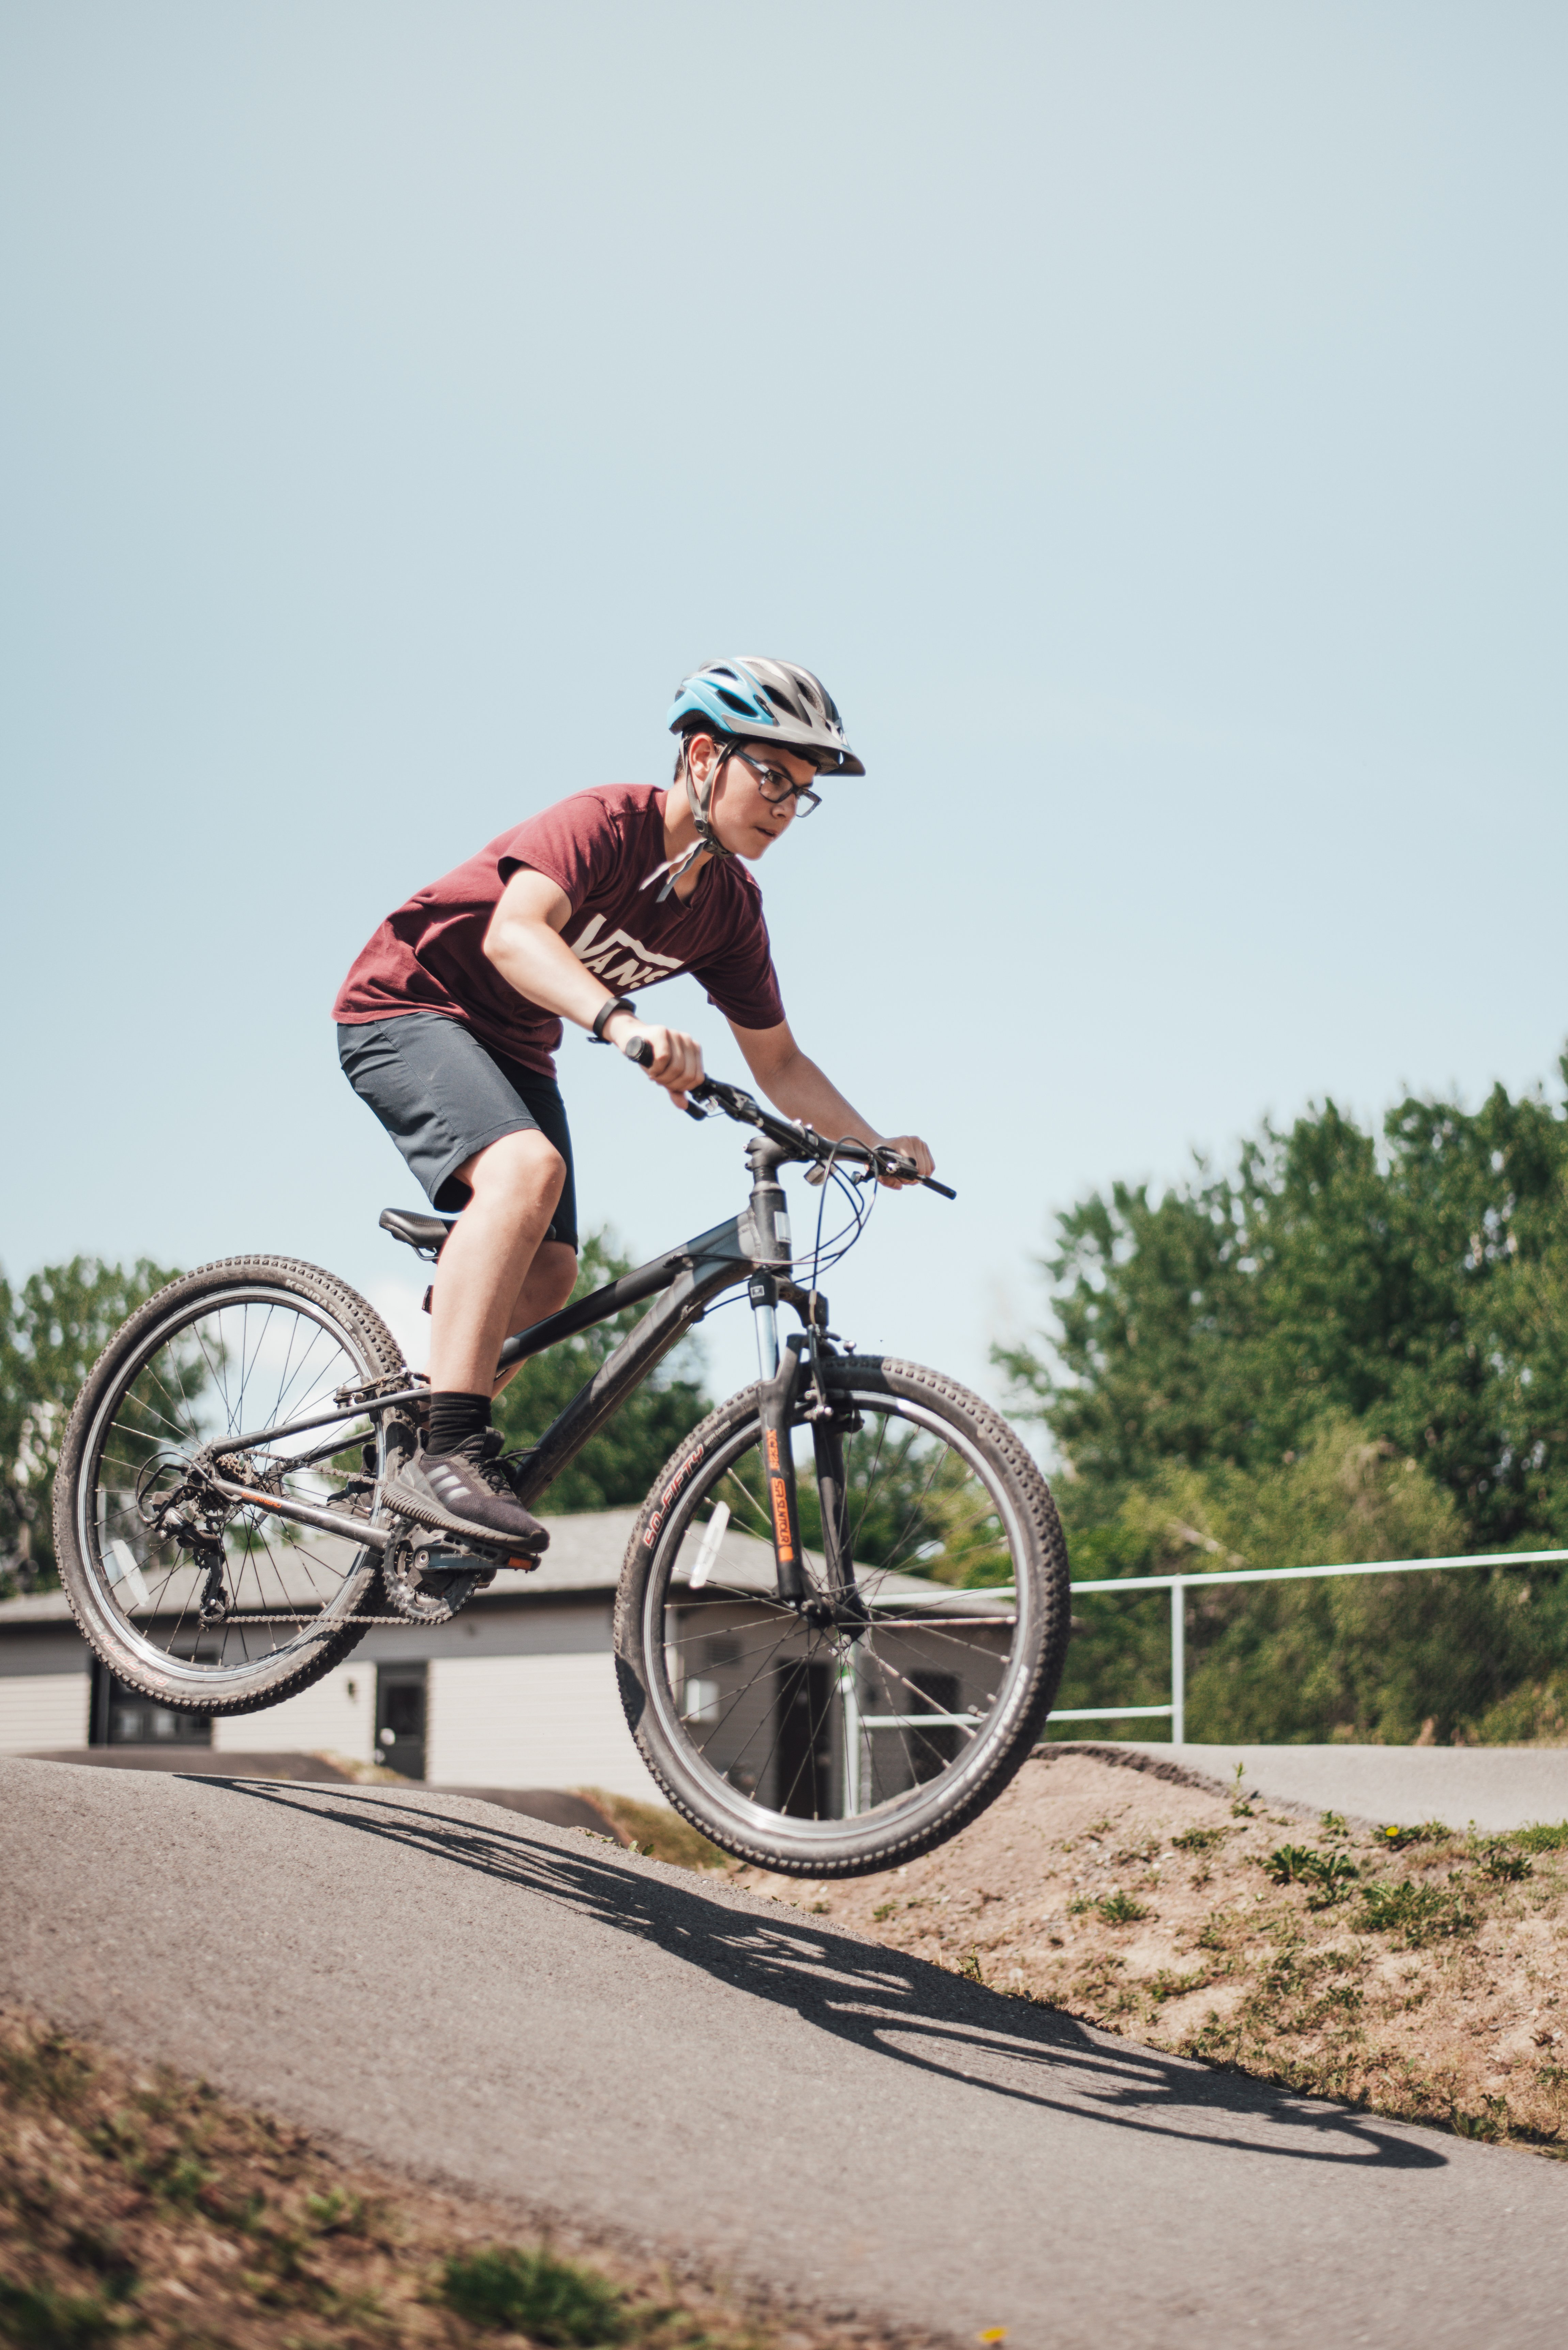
point(900, 2007)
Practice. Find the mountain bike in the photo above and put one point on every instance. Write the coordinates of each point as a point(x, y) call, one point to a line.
point(843, 1612)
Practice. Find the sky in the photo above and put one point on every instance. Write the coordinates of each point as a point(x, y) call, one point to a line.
point(1148, 421)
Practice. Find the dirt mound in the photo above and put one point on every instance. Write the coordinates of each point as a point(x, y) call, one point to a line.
point(1419, 1973)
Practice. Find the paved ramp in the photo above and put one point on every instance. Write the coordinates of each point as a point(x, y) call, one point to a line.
point(463, 1992)
point(1497, 1787)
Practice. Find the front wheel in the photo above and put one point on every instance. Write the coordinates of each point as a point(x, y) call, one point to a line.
point(853, 1733)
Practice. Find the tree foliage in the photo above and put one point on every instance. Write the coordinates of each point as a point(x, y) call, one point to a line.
point(618, 1465)
point(1419, 1289)
point(1348, 1348)
point(52, 1330)
point(56, 1323)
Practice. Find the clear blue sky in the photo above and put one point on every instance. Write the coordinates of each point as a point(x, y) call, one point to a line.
point(1148, 420)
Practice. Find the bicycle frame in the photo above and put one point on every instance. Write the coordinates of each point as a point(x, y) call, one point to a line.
point(752, 1247)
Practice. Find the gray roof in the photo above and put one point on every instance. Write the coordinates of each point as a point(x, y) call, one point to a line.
point(38, 1608)
point(585, 1555)
point(585, 1558)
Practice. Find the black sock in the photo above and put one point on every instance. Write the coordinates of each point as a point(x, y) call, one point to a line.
point(457, 1422)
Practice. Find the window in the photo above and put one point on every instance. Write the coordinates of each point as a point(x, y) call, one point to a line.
point(700, 1700)
point(123, 1716)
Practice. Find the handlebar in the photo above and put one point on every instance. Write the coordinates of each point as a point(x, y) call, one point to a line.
point(801, 1141)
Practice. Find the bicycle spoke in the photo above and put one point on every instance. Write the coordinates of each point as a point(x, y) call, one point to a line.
point(815, 1718)
point(204, 1378)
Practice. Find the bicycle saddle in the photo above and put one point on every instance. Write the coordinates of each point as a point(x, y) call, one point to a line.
point(426, 1234)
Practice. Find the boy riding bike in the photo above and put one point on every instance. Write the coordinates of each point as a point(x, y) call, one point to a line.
point(448, 1021)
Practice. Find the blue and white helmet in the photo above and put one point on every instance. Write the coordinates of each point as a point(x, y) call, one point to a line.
point(763, 700)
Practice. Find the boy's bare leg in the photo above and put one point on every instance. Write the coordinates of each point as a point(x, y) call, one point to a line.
point(487, 1266)
point(545, 1289)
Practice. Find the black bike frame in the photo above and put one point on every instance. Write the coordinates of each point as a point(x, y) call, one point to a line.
point(748, 1248)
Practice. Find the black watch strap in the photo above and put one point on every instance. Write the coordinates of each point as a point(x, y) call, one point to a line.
point(616, 1004)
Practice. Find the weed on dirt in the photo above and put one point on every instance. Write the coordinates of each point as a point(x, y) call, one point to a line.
point(657, 1831)
point(140, 2207)
point(1412, 1971)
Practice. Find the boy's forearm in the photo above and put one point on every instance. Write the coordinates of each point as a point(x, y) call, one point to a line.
point(531, 958)
point(805, 1093)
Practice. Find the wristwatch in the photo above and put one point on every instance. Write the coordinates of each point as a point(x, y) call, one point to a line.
point(617, 1004)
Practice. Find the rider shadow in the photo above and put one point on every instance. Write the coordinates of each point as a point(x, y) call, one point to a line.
point(894, 2006)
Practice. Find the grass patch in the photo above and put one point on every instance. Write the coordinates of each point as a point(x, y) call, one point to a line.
point(1397, 1839)
point(1503, 1863)
point(1168, 1985)
point(1145, 1852)
point(54, 2321)
point(661, 1834)
point(142, 2209)
point(554, 2301)
point(1421, 1913)
point(1121, 1909)
point(1541, 1836)
point(1199, 1839)
point(1331, 1874)
point(50, 2068)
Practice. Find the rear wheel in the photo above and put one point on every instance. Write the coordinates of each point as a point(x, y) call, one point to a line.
point(204, 1607)
point(851, 1735)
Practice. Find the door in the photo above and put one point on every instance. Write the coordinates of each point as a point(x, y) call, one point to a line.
point(804, 1719)
point(401, 1718)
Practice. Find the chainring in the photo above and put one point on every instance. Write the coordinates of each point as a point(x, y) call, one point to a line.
point(423, 1580)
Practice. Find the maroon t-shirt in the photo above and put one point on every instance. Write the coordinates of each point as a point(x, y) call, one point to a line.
point(603, 848)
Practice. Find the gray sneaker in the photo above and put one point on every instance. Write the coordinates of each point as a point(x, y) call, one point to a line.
point(468, 1495)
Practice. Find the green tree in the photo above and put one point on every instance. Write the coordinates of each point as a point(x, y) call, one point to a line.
point(1417, 1287)
point(1348, 1347)
point(1382, 1657)
point(619, 1464)
point(52, 1330)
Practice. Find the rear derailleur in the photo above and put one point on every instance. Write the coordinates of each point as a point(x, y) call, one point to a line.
point(194, 1519)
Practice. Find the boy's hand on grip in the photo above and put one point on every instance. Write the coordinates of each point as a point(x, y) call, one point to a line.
point(672, 1058)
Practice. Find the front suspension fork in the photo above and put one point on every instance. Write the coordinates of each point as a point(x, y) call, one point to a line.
point(779, 1375)
point(775, 1394)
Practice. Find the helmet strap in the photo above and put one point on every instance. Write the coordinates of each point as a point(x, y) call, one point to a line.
point(699, 798)
point(700, 795)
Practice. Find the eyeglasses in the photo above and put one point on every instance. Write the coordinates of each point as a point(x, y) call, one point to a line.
point(777, 786)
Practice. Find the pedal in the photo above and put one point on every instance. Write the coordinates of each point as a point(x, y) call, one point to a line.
point(428, 1582)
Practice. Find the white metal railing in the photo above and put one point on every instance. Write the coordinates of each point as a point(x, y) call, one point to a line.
point(1178, 1584)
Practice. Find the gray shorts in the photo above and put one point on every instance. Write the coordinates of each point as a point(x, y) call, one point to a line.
point(442, 1095)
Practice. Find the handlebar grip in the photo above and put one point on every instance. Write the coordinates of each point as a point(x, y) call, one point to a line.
point(897, 1164)
point(639, 1049)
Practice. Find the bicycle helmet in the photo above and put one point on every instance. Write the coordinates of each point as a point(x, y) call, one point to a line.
point(750, 700)
point(755, 700)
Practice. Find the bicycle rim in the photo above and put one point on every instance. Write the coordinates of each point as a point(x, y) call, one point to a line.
point(248, 1356)
point(826, 1749)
